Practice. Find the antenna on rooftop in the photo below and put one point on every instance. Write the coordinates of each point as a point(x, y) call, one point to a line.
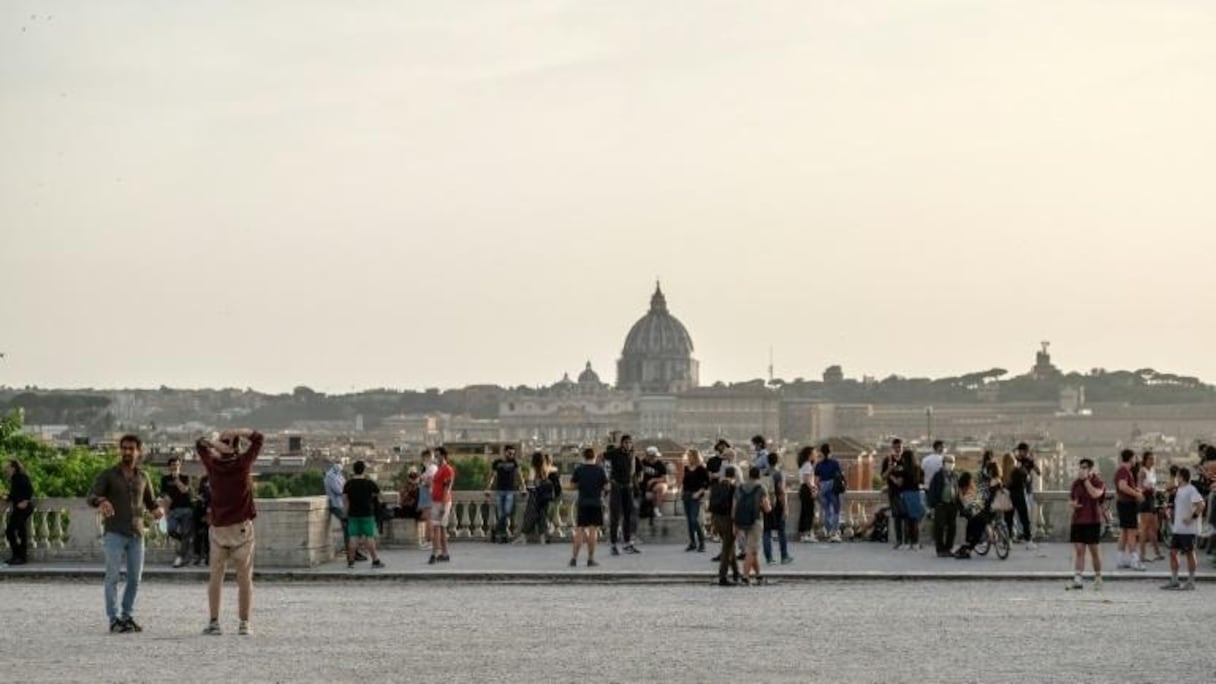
point(770, 364)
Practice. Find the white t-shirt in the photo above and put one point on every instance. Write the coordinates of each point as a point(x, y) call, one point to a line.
point(804, 470)
point(930, 466)
point(428, 474)
point(1184, 505)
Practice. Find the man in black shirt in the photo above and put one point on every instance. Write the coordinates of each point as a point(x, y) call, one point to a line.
point(359, 498)
point(622, 468)
point(175, 490)
point(21, 507)
point(714, 464)
point(506, 479)
point(653, 473)
point(591, 481)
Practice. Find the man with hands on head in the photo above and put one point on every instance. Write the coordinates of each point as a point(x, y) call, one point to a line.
point(232, 512)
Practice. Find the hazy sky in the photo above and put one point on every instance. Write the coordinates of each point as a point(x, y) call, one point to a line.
point(441, 193)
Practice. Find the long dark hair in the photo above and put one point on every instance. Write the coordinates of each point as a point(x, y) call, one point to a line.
point(804, 455)
point(16, 466)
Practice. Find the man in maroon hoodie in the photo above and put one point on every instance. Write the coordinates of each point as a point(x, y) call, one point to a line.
point(232, 513)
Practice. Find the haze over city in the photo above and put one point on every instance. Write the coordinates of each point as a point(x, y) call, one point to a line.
point(445, 194)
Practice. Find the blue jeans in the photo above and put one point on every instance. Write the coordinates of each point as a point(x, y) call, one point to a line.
point(181, 523)
point(766, 539)
point(506, 509)
point(692, 511)
point(340, 514)
point(830, 502)
point(116, 547)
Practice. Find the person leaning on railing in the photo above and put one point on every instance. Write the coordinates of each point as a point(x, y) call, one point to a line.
point(20, 508)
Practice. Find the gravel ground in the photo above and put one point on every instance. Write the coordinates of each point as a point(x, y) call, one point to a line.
point(851, 631)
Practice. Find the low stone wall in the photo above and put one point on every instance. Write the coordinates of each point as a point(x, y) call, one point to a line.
point(299, 532)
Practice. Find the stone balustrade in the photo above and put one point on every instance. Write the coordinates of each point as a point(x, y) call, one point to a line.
point(299, 532)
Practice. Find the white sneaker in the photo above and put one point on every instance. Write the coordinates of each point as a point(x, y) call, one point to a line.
point(920, 547)
point(1138, 566)
point(835, 538)
point(178, 562)
point(901, 547)
point(658, 513)
point(1097, 584)
point(1031, 546)
point(425, 546)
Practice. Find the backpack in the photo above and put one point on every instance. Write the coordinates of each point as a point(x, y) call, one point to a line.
point(721, 496)
point(838, 484)
point(747, 512)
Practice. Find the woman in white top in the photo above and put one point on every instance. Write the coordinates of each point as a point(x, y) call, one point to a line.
point(808, 490)
point(1149, 522)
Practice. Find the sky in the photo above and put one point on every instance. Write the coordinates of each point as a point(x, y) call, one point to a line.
point(433, 194)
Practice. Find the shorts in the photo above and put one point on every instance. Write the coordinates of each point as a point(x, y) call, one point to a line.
point(1128, 514)
point(1182, 542)
point(589, 516)
point(754, 533)
point(233, 542)
point(1149, 505)
point(1088, 534)
point(361, 527)
point(424, 498)
point(440, 512)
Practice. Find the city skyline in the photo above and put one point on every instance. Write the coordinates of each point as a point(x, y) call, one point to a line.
point(452, 195)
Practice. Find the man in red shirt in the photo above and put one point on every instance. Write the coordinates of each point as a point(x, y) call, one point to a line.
point(1128, 497)
point(1086, 497)
point(232, 514)
point(441, 506)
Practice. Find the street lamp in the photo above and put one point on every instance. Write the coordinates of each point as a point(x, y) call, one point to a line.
point(929, 423)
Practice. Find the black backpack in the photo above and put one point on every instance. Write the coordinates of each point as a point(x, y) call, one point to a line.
point(748, 510)
point(721, 496)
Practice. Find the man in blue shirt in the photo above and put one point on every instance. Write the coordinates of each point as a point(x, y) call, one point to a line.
point(828, 471)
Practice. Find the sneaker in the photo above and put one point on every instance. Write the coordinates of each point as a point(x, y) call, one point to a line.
point(1171, 585)
point(716, 558)
point(244, 629)
point(919, 547)
point(615, 550)
point(700, 548)
point(445, 558)
point(573, 563)
point(424, 546)
point(178, 562)
point(690, 547)
point(1138, 567)
point(901, 547)
point(787, 560)
point(198, 562)
point(630, 548)
point(432, 560)
point(1074, 585)
point(131, 625)
point(835, 538)
point(118, 626)
point(591, 563)
point(360, 556)
point(377, 563)
point(769, 561)
point(1189, 585)
point(1031, 546)
point(350, 564)
point(1097, 584)
point(723, 582)
point(658, 513)
point(213, 629)
point(15, 561)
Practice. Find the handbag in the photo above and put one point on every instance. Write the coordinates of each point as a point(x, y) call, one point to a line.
point(1002, 502)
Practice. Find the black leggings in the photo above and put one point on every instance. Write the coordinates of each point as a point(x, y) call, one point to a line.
point(1023, 512)
point(620, 511)
point(897, 520)
point(17, 531)
point(806, 514)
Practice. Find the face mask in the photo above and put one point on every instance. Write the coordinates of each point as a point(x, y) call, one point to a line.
point(949, 467)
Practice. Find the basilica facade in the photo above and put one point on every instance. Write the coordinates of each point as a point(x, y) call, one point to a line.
point(657, 394)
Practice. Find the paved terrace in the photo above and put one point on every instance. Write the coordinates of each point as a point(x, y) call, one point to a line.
point(481, 561)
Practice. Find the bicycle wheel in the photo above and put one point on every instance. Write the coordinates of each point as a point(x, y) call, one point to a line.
point(1002, 540)
point(985, 541)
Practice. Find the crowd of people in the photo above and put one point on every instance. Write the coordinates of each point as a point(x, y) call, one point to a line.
point(735, 501)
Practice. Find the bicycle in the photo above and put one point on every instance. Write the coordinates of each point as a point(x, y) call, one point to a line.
point(995, 534)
